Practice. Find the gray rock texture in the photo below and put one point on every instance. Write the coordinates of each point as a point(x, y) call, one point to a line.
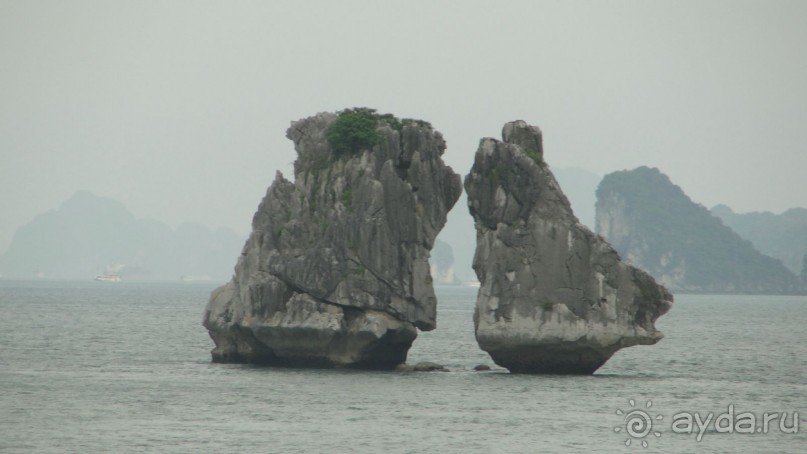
point(336, 270)
point(554, 297)
point(428, 366)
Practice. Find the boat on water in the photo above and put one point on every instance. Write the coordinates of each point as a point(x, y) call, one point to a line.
point(110, 273)
point(107, 278)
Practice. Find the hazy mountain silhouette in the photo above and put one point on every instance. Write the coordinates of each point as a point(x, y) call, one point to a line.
point(783, 236)
point(655, 225)
point(88, 235)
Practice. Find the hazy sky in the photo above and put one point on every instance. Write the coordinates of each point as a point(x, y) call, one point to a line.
point(179, 108)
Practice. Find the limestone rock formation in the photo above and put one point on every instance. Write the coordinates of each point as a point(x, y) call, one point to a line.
point(336, 270)
point(554, 297)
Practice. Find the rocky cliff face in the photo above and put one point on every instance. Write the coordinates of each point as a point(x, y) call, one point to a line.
point(655, 225)
point(336, 271)
point(554, 298)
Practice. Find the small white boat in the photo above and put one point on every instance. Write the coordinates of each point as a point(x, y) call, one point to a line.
point(107, 278)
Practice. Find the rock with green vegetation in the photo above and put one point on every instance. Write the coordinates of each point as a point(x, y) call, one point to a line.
point(655, 225)
point(336, 270)
point(527, 137)
point(353, 131)
point(554, 297)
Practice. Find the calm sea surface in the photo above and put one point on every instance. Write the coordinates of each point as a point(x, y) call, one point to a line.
point(125, 367)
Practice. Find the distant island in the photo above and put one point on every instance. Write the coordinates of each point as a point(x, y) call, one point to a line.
point(655, 225)
point(89, 236)
point(442, 264)
point(782, 236)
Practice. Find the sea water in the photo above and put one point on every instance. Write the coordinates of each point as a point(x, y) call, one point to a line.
point(125, 367)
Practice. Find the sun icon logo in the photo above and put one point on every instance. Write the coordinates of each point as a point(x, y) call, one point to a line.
point(638, 423)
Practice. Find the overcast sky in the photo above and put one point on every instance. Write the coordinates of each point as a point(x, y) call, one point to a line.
point(179, 108)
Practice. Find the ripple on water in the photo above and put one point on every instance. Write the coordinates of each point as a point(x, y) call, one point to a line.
point(121, 368)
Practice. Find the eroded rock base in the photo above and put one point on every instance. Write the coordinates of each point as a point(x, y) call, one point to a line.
point(356, 347)
point(557, 359)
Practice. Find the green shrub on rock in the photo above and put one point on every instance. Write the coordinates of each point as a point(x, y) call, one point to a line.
point(354, 130)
